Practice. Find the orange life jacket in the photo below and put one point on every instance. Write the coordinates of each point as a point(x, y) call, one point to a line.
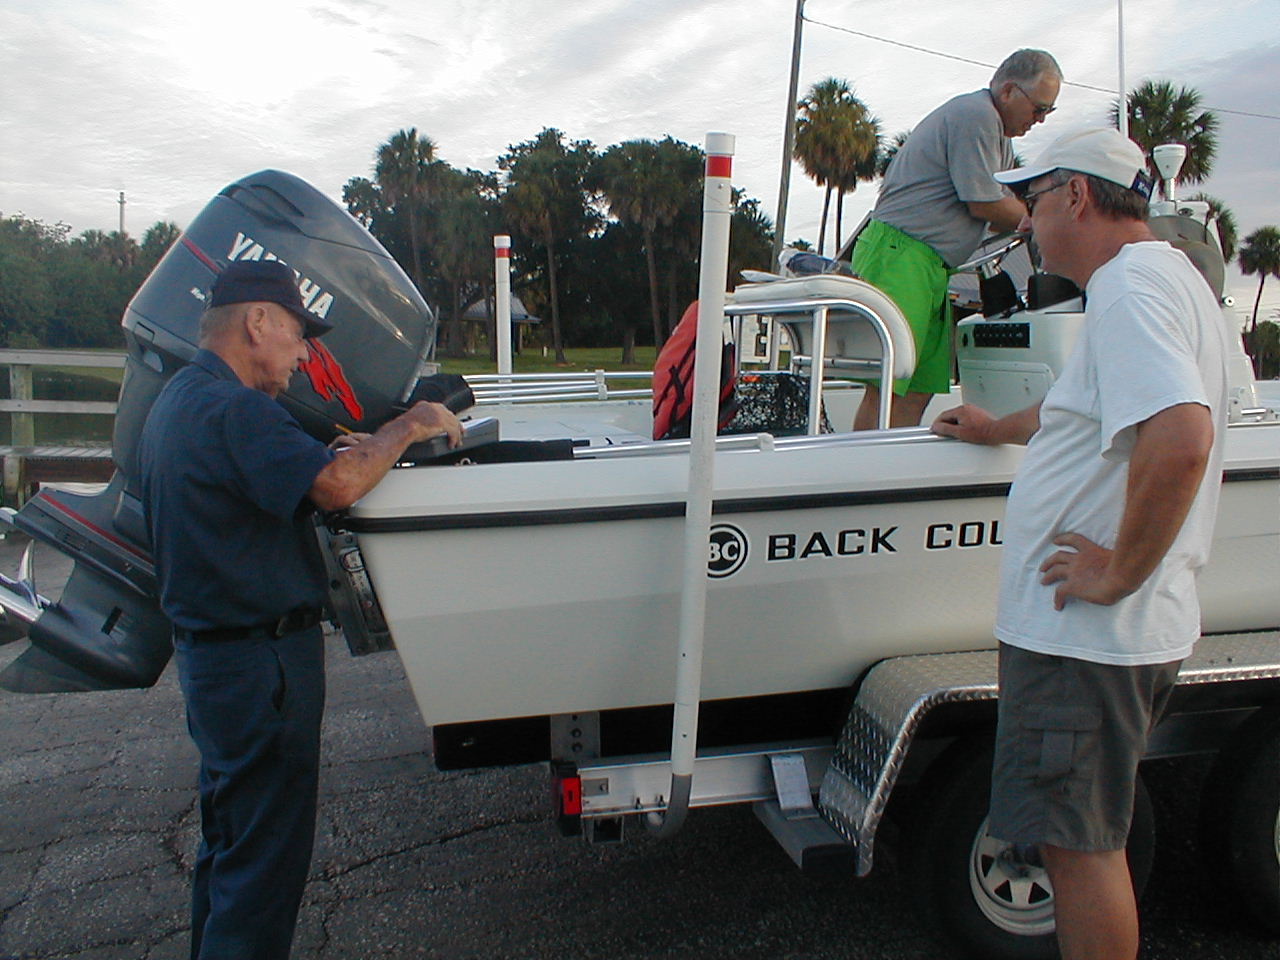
point(673, 380)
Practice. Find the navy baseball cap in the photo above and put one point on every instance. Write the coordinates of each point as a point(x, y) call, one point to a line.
point(265, 281)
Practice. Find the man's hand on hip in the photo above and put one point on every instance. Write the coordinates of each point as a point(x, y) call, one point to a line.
point(1082, 573)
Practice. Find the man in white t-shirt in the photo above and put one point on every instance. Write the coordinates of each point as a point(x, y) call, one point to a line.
point(1108, 524)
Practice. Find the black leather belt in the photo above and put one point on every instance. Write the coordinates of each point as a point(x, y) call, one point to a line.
point(294, 620)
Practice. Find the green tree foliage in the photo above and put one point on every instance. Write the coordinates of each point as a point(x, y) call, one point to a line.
point(837, 140)
point(750, 237)
point(402, 172)
point(157, 240)
point(648, 184)
point(598, 280)
point(1160, 113)
point(364, 201)
point(618, 286)
point(27, 298)
point(570, 263)
point(546, 201)
point(1225, 222)
point(1260, 254)
point(464, 218)
point(889, 150)
point(1266, 349)
point(59, 291)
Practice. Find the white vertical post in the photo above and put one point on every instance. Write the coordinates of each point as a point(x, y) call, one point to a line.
point(717, 211)
point(502, 301)
point(1123, 113)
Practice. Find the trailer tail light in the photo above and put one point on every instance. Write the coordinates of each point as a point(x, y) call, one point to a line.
point(566, 798)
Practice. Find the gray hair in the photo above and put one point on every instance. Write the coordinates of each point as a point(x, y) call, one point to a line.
point(1111, 199)
point(215, 321)
point(1025, 66)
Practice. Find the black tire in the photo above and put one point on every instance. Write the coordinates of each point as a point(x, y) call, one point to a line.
point(1240, 822)
point(995, 905)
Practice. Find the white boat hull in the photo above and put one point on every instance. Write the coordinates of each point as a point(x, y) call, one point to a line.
point(547, 588)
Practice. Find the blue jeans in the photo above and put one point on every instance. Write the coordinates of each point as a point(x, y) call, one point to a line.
point(253, 708)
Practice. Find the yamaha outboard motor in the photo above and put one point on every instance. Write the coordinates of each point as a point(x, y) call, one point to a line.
point(107, 631)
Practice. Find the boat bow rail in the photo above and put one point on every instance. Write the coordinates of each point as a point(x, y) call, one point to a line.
point(849, 325)
point(521, 388)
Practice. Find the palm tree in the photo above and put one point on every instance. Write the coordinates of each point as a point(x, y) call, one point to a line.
point(545, 197)
point(157, 240)
point(836, 141)
point(402, 175)
point(858, 167)
point(1158, 114)
point(363, 200)
point(1261, 255)
point(460, 232)
point(645, 184)
point(1220, 214)
point(890, 150)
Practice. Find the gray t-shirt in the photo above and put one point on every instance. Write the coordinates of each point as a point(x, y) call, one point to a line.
point(947, 161)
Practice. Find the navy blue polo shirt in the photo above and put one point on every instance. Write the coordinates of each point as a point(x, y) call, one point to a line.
point(225, 476)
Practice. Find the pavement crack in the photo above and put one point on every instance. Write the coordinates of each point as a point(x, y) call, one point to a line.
point(334, 873)
point(172, 831)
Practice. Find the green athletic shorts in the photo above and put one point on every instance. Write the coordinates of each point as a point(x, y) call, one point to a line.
point(915, 278)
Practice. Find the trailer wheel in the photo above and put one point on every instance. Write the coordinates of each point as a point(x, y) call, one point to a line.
point(993, 898)
point(1240, 820)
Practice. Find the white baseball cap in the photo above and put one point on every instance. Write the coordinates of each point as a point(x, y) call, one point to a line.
point(1100, 151)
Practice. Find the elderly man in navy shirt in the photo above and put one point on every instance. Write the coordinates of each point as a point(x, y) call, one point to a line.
point(229, 480)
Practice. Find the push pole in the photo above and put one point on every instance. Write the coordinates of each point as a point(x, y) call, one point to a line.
point(717, 211)
point(502, 301)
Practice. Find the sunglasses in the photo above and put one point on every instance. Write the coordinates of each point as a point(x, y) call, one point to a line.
point(1040, 109)
point(1031, 196)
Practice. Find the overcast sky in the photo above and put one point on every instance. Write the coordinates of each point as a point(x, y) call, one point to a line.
point(169, 100)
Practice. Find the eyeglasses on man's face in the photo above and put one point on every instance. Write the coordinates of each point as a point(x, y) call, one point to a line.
point(1031, 196)
point(1041, 110)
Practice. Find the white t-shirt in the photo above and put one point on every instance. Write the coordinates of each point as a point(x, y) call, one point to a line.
point(1153, 338)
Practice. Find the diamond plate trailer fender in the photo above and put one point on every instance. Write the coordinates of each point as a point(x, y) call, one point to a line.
point(897, 694)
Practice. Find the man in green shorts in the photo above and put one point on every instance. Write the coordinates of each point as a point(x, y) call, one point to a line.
point(936, 200)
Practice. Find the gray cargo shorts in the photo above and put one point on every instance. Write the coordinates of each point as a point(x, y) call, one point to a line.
point(1070, 735)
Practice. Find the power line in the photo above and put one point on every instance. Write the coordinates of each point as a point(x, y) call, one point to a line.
point(992, 66)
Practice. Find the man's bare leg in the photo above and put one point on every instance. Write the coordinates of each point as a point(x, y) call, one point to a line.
point(1097, 916)
point(905, 411)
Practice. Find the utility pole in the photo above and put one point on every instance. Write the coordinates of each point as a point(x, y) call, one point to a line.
point(788, 138)
point(121, 202)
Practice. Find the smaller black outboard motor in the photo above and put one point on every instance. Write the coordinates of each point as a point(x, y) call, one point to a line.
point(107, 631)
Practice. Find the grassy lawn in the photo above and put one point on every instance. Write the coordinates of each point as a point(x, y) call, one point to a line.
point(532, 361)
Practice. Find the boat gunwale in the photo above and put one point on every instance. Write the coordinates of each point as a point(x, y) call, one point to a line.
point(723, 507)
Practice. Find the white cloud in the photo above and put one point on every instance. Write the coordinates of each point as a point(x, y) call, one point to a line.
point(170, 102)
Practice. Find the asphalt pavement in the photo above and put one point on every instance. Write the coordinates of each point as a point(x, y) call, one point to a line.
point(98, 826)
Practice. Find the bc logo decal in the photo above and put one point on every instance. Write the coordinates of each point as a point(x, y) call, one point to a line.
point(726, 550)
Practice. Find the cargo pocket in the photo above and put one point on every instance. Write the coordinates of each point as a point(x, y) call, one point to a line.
point(1055, 736)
